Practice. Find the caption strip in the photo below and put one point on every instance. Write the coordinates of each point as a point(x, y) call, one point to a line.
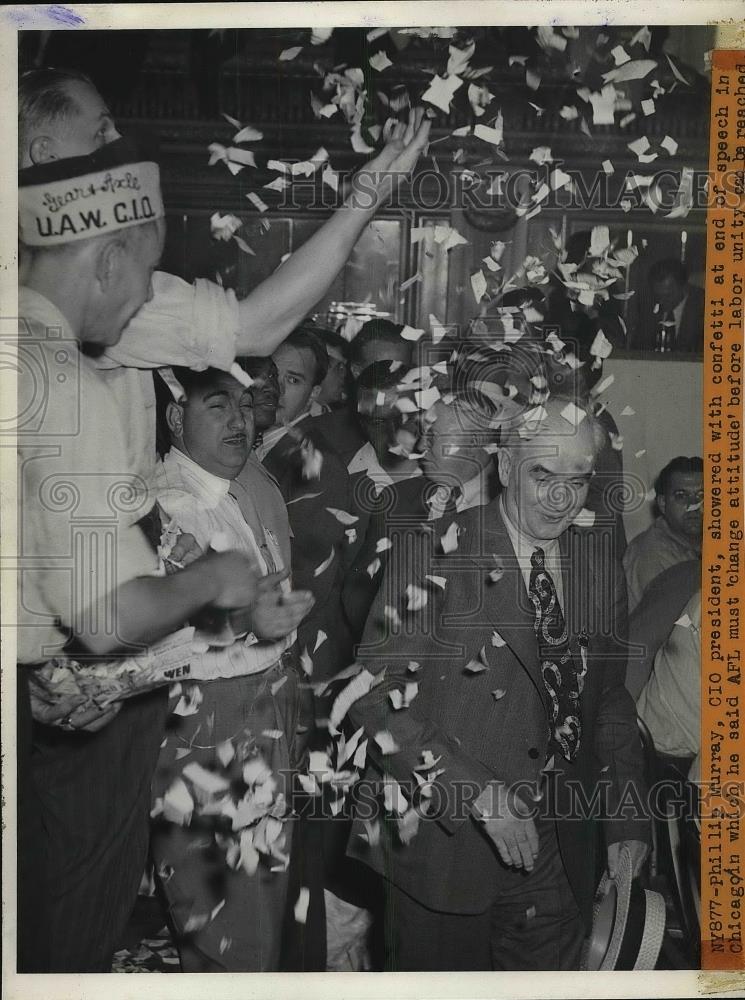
point(722, 706)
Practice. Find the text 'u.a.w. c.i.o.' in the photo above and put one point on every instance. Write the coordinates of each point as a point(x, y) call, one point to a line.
point(65, 210)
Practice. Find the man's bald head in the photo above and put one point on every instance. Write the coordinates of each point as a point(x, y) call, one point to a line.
point(60, 115)
point(546, 470)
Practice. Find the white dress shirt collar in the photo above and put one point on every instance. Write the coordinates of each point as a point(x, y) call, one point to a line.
point(524, 549)
point(204, 485)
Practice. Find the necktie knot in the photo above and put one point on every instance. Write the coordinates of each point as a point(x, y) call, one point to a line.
point(538, 559)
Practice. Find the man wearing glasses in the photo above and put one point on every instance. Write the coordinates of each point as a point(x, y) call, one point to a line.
point(675, 536)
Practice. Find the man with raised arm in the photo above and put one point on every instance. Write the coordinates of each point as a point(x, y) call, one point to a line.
point(86, 588)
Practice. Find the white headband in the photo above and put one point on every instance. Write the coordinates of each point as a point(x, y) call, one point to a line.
point(95, 204)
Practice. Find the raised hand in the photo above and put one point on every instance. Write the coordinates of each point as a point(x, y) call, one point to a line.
point(404, 142)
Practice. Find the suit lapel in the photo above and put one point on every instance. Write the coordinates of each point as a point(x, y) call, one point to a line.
point(578, 581)
point(508, 605)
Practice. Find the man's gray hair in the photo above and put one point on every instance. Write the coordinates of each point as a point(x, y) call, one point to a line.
point(43, 98)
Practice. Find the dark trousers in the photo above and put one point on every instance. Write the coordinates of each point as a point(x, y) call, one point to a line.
point(94, 792)
point(225, 920)
point(534, 925)
point(32, 908)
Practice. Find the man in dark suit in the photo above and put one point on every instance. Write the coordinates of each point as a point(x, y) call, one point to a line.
point(676, 319)
point(521, 742)
point(315, 487)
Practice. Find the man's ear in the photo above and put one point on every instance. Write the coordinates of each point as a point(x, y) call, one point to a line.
point(504, 465)
point(175, 418)
point(661, 503)
point(315, 393)
point(41, 149)
point(108, 262)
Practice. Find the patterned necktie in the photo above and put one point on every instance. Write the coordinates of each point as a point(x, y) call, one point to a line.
point(557, 666)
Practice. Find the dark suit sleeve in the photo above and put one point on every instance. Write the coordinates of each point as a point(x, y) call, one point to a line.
point(617, 743)
point(388, 648)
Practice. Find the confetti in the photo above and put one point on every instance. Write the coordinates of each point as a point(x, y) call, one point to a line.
point(635, 69)
point(560, 178)
point(547, 38)
point(648, 106)
point(494, 135)
point(532, 79)
point(573, 414)
point(627, 411)
point(569, 113)
point(402, 699)
point(606, 383)
point(222, 227)
point(478, 285)
point(497, 640)
point(676, 72)
point(475, 667)
point(603, 105)
point(459, 58)
point(394, 800)
point(639, 146)
point(608, 167)
point(386, 743)
point(178, 805)
point(380, 61)
point(642, 37)
point(322, 567)
point(440, 92)
point(541, 155)
point(330, 177)
point(670, 145)
point(278, 184)
point(244, 246)
point(449, 541)
point(343, 516)
point(272, 734)
point(205, 781)
point(352, 692)
point(410, 333)
point(278, 684)
point(417, 597)
point(301, 906)
point(287, 54)
point(306, 662)
point(620, 55)
point(601, 347)
point(684, 621)
point(320, 639)
point(235, 159)
point(391, 615)
point(479, 98)
point(498, 694)
point(358, 143)
point(439, 581)
point(585, 518)
point(248, 134)
point(599, 241)
point(408, 283)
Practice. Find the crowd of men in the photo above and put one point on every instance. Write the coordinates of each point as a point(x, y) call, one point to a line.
point(438, 517)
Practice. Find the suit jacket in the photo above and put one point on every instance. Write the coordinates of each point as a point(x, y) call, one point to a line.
point(401, 504)
point(450, 865)
point(317, 535)
point(690, 338)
